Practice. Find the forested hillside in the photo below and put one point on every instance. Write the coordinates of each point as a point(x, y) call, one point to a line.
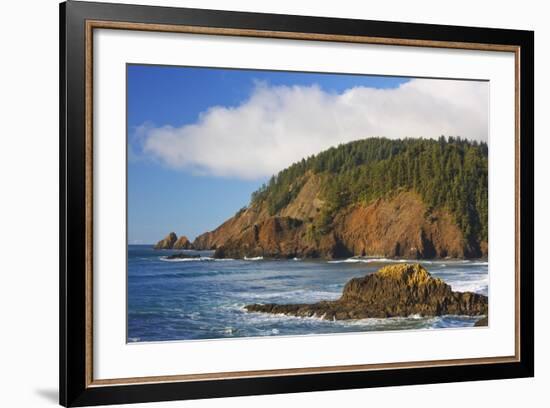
point(411, 198)
point(448, 173)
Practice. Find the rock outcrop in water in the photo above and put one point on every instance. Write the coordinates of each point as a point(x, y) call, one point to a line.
point(183, 243)
point(168, 242)
point(182, 256)
point(171, 241)
point(393, 291)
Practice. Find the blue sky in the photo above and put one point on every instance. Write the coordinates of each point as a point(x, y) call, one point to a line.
point(201, 140)
point(162, 199)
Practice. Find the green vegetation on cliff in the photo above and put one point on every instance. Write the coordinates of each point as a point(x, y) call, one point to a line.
point(449, 173)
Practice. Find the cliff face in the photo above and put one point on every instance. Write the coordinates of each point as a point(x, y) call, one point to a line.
point(280, 237)
point(393, 291)
point(398, 226)
point(304, 208)
point(234, 227)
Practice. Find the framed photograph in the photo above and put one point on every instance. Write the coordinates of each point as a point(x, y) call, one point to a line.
point(256, 204)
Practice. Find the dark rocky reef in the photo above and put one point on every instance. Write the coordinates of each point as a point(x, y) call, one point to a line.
point(183, 256)
point(168, 242)
point(393, 291)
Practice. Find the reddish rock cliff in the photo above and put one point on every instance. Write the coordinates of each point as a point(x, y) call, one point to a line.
point(397, 226)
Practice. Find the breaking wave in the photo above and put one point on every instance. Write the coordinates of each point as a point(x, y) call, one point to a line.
point(201, 259)
point(254, 258)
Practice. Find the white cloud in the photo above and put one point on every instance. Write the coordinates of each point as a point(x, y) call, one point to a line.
point(279, 125)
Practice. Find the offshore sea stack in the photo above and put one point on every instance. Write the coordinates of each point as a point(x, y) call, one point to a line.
point(171, 241)
point(393, 291)
point(168, 241)
point(183, 243)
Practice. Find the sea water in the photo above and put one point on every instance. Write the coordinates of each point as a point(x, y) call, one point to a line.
point(186, 299)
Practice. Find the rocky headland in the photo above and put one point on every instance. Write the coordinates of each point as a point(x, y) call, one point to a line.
point(414, 199)
point(393, 291)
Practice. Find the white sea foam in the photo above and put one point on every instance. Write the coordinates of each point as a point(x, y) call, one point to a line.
point(368, 260)
point(479, 263)
point(259, 318)
point(254, 258)
point(296, 296)
point(443, 263)
point(201, 259)
point(479, 286)
point(389, 321)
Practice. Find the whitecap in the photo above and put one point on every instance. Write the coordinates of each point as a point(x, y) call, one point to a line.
point(479, 285)
point(479, 263)
point(201, 259)
point(368, 260)
point(294, 296)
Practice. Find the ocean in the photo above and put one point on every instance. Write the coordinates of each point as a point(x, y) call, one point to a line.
point(193, 299)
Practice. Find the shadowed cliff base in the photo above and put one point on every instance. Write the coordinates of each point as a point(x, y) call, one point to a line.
point(393, 291)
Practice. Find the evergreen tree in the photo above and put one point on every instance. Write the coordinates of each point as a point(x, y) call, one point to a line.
point(450, 173)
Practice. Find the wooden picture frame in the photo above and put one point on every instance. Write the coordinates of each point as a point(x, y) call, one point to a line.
point(78, 20)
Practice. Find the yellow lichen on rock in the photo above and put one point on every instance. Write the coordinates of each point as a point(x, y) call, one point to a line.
point(411, 274)
point(395, 290)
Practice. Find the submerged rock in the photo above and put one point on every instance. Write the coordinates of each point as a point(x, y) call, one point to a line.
point(482, 322)
point(183, 256)
point(393, 291)
point(168, 242)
